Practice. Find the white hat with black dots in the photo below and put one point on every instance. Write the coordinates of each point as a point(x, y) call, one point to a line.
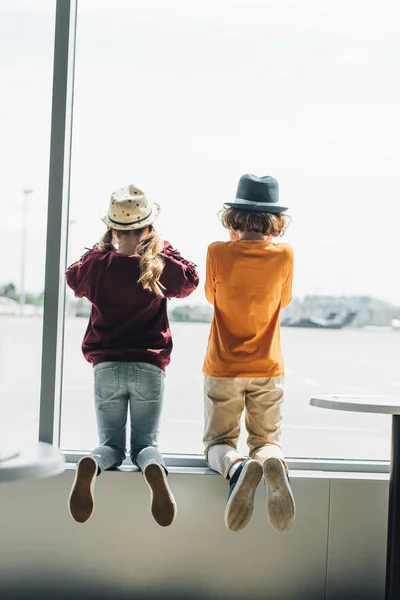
point(129, 208)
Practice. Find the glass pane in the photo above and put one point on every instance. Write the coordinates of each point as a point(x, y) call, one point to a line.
point(181, 99)
point(26, 63)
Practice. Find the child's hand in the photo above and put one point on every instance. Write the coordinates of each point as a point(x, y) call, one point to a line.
point(233, 235)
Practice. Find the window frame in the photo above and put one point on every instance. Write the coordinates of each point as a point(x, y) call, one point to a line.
point(50, 411)
point(57, 221)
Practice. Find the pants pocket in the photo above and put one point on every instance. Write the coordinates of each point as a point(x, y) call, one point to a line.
point(149, 383)
point(106, 381)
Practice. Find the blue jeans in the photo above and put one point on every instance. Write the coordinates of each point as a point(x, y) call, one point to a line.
point(117, 385)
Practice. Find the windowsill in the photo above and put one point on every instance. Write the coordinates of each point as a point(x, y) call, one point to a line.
point(196, 461)
point(295, 473)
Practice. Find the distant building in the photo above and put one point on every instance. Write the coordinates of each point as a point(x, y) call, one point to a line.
point(370, 311)
point(12, 308)
point(191, 314)
point(9, 307)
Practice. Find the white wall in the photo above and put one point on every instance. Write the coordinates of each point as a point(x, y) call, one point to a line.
point(337, 543)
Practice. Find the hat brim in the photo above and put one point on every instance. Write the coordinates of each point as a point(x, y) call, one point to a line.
point(274, 208)
point(155, 213)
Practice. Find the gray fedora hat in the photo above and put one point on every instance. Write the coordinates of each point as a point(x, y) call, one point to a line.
point(257, 194)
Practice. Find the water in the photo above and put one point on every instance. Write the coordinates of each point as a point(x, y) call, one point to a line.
point(317, 361)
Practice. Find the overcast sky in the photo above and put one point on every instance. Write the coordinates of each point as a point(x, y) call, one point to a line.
point(182, 97)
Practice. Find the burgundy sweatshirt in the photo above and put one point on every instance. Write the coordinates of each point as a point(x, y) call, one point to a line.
point(127, 322)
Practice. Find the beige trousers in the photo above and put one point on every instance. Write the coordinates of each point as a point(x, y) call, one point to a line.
point(225, 398)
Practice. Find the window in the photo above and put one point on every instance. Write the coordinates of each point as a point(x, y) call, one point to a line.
point(181, 99)
point(26, 49)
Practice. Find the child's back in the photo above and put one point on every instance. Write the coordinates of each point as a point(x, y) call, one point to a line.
point(248, 281)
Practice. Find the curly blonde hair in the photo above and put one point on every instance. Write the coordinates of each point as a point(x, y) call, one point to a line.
point(267, 224)
point(149, 249)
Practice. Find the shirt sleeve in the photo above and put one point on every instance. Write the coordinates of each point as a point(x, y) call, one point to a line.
point(179, 277)
point(77, 275)
point(209, 287)
point(287, 284)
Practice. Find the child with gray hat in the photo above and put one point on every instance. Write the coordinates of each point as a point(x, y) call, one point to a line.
point(248, 281)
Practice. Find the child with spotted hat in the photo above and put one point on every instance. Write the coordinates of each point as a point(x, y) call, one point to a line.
point(128, 278)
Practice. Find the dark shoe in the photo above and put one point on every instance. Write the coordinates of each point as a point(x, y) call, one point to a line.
point(163, 505)
point(81, 499)
point(280, 506)
point(242, 487)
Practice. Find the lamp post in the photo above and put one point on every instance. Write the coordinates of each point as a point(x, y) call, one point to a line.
point(70, 249)
point(22, 292)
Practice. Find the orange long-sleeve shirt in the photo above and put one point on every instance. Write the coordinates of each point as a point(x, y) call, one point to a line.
point(248, 282)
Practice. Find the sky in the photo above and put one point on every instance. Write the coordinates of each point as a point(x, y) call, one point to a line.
point(181, 98)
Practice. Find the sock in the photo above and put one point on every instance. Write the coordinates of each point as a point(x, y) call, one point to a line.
point(234, 467)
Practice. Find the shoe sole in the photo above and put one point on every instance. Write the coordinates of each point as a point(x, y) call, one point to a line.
point(163, 505)
point(81, 500)
point(280, 506)
point(240, 505)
